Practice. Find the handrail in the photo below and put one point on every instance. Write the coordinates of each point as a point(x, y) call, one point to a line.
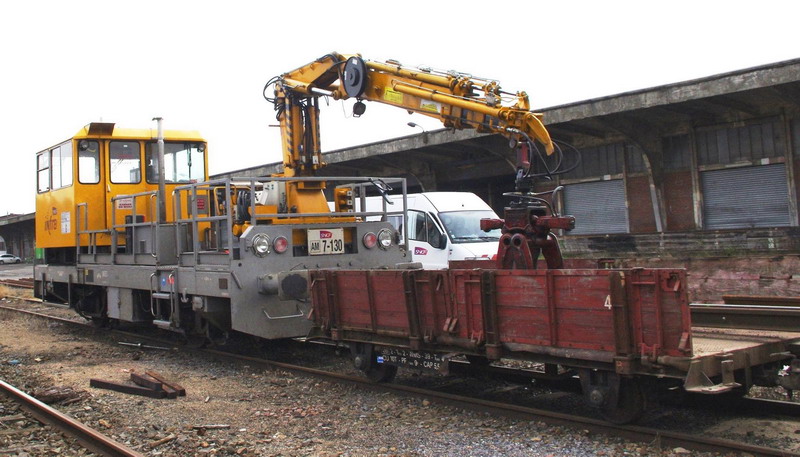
point(172, 282)
point(154, 236)
point(187, 212)
point(92, 234)
point(152, 300)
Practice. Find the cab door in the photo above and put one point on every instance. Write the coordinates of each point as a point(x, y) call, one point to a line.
point(124, 177)
point(90, 194)
point(427, 241)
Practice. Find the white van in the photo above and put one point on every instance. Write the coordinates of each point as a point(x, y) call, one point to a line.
point(442, 226)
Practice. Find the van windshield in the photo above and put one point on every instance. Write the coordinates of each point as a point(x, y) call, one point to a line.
point(465, 226)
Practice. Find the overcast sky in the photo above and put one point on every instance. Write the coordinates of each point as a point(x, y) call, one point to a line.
point(202, 65)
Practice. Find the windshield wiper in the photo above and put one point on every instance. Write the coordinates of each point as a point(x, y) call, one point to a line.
point(475, 238)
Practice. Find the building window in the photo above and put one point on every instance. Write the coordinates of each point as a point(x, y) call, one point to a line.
point(677, 153)
point(635, 160)
point(744, 144)
point(599, 161)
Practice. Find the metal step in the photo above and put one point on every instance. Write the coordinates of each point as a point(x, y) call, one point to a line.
point(161, 295)
point(162, 324)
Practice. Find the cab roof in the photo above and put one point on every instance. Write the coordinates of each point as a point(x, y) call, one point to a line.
point(109, 130)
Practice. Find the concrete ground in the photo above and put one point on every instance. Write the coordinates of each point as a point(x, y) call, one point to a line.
point(16, 271)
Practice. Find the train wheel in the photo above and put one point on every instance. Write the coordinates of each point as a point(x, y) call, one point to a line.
point(629, 404)
point(101, 322)
point(477, 360)
point(381, 372)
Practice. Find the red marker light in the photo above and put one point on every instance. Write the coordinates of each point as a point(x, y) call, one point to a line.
point(281, 244)
point(370, 240)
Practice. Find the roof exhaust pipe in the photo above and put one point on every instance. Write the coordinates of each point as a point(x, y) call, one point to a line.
point(162, 188)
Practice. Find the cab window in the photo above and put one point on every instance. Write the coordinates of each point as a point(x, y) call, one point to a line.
point(43, 171)
point(125, 165)
point(88, 162)
point(183, 162)
point(61, 165)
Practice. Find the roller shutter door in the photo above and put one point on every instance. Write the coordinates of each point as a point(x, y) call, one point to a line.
point(598, 207)
point(745, 197)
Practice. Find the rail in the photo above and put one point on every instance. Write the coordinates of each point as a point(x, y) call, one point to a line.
point(778, 317)
point(88, 437)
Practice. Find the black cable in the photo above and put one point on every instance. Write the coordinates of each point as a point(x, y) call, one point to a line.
point(577, 156)
point(271, 81)
point(560, 154)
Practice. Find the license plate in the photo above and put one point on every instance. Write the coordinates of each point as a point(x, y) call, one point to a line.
point(325, 241)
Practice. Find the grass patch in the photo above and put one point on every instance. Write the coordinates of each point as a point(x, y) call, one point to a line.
point(15, 292)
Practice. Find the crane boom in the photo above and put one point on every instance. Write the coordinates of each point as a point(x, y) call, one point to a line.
point(458, 100)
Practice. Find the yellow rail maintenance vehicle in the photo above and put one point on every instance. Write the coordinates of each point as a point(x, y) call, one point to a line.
point(78, 179)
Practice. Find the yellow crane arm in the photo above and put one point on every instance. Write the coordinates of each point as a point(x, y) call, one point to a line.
point(457, 99)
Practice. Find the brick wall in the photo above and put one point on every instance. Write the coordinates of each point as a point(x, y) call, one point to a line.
point(737, 262)
point(640, 205)
point(678, 201)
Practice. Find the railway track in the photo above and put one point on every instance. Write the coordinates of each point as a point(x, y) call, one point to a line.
point(89, 438)
point(22, 283)
point(633, 433)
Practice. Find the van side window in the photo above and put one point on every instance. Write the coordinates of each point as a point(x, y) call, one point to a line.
point(416, 226)
point(422, 228)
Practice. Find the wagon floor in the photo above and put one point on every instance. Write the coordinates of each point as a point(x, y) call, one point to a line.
point(712, 341)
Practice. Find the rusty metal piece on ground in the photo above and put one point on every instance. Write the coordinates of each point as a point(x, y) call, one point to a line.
point(146, 381)
point(127, 388)
point(56, 394)
point(144, 346)
point(158, 377)
point(211, 427)
point(157, 443)
point(91, 439)
point(150, 382)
